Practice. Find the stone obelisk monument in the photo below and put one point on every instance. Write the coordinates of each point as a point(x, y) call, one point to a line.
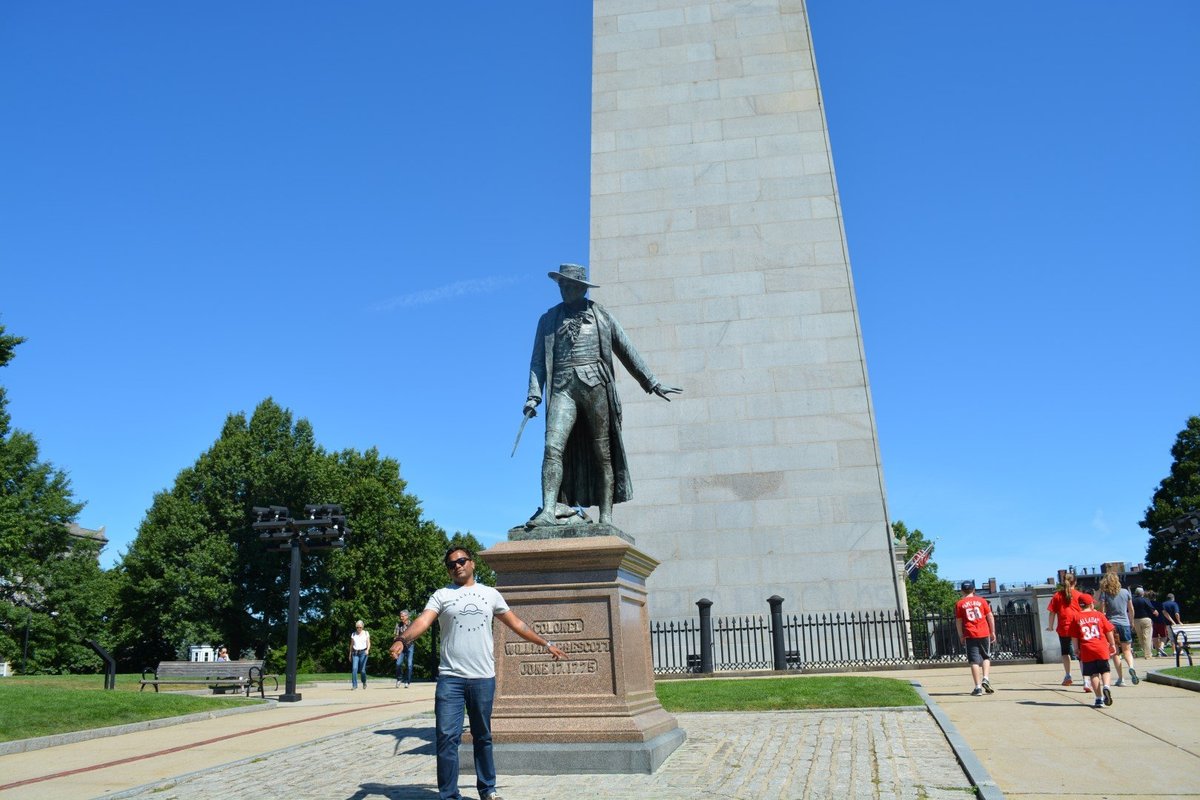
point(717, 239)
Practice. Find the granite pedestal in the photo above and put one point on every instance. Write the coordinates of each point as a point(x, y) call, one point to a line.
point(596, 711)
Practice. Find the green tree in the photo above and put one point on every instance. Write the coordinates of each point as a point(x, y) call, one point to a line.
point(927, 594)
point(174, 585)
point(198, 572)
point(51, 584)
point(81, 594)
point(1176, 567)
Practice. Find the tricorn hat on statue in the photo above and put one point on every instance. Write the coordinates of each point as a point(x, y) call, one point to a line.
point(571, 272)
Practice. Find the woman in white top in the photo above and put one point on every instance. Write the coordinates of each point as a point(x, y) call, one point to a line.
point(360, 646)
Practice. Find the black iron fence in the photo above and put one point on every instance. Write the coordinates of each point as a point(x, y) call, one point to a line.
point(823, 641)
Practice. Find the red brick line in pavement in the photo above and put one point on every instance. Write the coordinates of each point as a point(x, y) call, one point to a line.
point(170, 750)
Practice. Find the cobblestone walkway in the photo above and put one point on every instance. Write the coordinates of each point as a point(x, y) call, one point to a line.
point(762, 756)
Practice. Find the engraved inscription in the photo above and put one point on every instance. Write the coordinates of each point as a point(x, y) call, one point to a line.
point(558, 627)
point(571, 646)
point(582, 630)
point(540, 668)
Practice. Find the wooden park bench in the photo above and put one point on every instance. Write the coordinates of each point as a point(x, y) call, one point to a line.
point(216, 675)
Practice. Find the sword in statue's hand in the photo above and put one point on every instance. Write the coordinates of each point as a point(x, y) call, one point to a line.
point(529, 413)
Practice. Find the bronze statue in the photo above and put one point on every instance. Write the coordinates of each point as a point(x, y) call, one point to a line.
point(584, 461)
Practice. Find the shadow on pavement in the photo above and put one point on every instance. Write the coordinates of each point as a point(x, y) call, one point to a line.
point(1043, 703)
point(424, 733)
point(392, 792)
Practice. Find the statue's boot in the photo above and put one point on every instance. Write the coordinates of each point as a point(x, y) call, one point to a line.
point(606, 494)
point(543, 518)
point(552, 477)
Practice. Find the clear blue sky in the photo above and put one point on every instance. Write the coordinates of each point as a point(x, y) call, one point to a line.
point(352, 208)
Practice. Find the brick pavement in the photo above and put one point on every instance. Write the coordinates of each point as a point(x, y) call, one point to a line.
point(867, 753)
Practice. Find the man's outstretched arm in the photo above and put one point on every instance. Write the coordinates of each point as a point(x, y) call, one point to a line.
point(528, 634)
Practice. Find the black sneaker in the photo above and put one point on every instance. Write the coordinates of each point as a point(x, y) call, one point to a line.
point(976, 692)
point(1133, 676)
point(987, 686)
point(1107, 696)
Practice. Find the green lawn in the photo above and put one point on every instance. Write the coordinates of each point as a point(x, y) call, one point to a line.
point(774, 694)
point(1191, 673)
point(36, 707)
point(128, 681)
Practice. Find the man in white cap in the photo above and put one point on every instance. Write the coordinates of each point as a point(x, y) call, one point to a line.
point(584, 461)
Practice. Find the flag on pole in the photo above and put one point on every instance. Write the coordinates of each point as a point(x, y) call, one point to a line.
point(917, 562)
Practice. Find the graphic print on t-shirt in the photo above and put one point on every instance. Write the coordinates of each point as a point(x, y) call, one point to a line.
point(469, 611)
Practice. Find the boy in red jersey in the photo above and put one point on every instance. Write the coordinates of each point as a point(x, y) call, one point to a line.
point(977, 630)
point(1096, 639)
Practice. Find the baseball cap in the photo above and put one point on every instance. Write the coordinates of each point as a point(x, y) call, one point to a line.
point(1085, 599)
point(966, 586)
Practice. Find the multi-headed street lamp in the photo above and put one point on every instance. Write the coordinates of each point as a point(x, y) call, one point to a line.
point(323, 527)
point(1184, 529)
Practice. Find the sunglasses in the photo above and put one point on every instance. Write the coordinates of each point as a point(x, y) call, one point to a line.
point(452, 563)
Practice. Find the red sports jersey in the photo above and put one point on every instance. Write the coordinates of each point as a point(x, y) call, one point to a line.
point(973, 611)
point(1066, 611)
point(1091, 629)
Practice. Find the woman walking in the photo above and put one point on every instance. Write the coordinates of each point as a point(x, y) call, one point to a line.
point(1117, 604)
point(360, 646)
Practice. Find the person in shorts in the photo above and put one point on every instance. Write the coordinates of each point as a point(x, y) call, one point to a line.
point(1097, 641)
point(1116, 603)
point(977, 630)
point(1063, 608)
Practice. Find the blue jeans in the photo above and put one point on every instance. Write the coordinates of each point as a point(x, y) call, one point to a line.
point(404, 665)
point(452, 695)
point(358, 663)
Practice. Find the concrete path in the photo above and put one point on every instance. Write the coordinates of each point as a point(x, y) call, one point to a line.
point(1035, 738)
point(102, 767)
point(1039, 739)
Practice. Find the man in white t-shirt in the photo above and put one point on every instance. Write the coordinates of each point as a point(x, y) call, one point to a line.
point(467, 671)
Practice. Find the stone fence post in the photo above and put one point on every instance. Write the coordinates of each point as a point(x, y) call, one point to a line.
point(1047, 640)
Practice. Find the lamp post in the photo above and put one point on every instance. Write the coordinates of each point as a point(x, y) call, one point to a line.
point(28, 622)
point(25, 651)
point(323, 527)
